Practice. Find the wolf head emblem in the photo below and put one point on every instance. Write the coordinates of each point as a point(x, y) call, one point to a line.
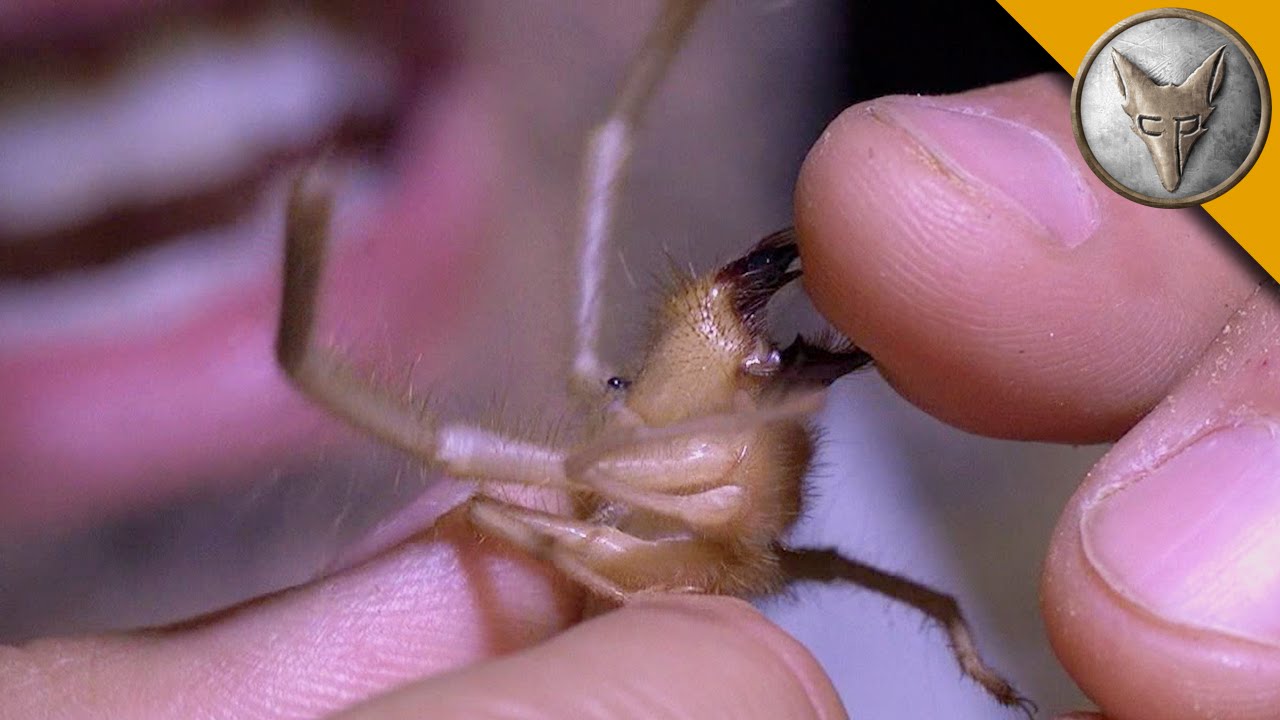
point(1169, 118)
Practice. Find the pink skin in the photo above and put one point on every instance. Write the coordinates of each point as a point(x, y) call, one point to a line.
point(241, 485)
point(1075, 338)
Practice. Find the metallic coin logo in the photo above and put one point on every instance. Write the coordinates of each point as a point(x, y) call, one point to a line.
point(1171, 108)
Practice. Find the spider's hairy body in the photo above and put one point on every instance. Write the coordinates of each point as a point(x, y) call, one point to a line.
point(694, 471)
point(696, 368)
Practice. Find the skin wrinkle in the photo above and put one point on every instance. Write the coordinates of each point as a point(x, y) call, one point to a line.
point(979, 198)
point(614, 651)
point(1114, 375)
point(253, 647)
point(948, 305)
point(897, 263)
point(944, 222)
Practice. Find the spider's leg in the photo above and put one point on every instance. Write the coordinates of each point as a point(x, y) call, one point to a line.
point(327, 378)
point(608, 154)
point(792, 408)
point(681, 471)
point(582, 550)
point(684, 478)
point(829, 565)
point(702, 510)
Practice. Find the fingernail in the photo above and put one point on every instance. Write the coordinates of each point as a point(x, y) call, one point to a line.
point(1196, 541)
point(1009, 163)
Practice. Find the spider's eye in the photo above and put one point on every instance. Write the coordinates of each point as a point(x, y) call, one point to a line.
point(617, 383)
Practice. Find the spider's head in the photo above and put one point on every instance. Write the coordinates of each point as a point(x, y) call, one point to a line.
point(709, 341)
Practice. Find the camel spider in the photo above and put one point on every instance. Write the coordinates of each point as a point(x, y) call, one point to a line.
point(694, 471)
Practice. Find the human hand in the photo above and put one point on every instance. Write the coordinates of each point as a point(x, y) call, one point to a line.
point(1004, 289)
point(436, 603)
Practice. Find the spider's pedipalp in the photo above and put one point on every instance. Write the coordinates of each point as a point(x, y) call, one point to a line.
point(318, 371)
point(474, 452)
point(607, 157)
point(335, 383)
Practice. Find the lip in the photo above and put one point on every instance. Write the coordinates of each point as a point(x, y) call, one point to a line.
point(119, 420)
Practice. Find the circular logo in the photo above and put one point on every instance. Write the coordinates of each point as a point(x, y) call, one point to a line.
point(1171, 108)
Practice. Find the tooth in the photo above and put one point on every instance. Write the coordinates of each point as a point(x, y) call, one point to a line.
point(203, 109)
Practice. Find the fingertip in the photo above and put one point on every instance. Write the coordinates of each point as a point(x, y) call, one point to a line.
point(665, 657)
point(733, 616)
point(1159, 593)
point(1000, 286)
point(1138, 666)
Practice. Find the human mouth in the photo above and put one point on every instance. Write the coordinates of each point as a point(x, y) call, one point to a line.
point(141, 195)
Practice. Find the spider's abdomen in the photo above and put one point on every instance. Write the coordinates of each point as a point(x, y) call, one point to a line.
point(773, 471)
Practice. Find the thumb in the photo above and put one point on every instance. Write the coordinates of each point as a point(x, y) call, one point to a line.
point(669, 657)
point(1162, 586)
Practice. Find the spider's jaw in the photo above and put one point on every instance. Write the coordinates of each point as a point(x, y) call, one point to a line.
point(752, 280)
point(711, 343)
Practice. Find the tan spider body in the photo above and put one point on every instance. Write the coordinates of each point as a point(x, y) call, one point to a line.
point(700, 510)
point(694, 470)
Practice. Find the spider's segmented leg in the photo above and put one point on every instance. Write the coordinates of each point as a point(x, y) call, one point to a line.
point(680, 478)
point(706, 509)
point(573, 546)
point(336, 384)
point(590, 554)
point(320, 372)
point(829, 565)
point(796, 406)
point(608, 154)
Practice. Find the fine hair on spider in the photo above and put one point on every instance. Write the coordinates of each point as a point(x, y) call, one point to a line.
point(694, 471)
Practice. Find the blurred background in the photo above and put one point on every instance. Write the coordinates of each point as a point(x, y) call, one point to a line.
point(154, 466)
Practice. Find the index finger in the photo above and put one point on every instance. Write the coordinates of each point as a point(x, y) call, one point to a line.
point(962, 241)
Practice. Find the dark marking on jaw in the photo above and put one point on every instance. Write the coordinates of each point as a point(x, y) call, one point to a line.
point(755, 277)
